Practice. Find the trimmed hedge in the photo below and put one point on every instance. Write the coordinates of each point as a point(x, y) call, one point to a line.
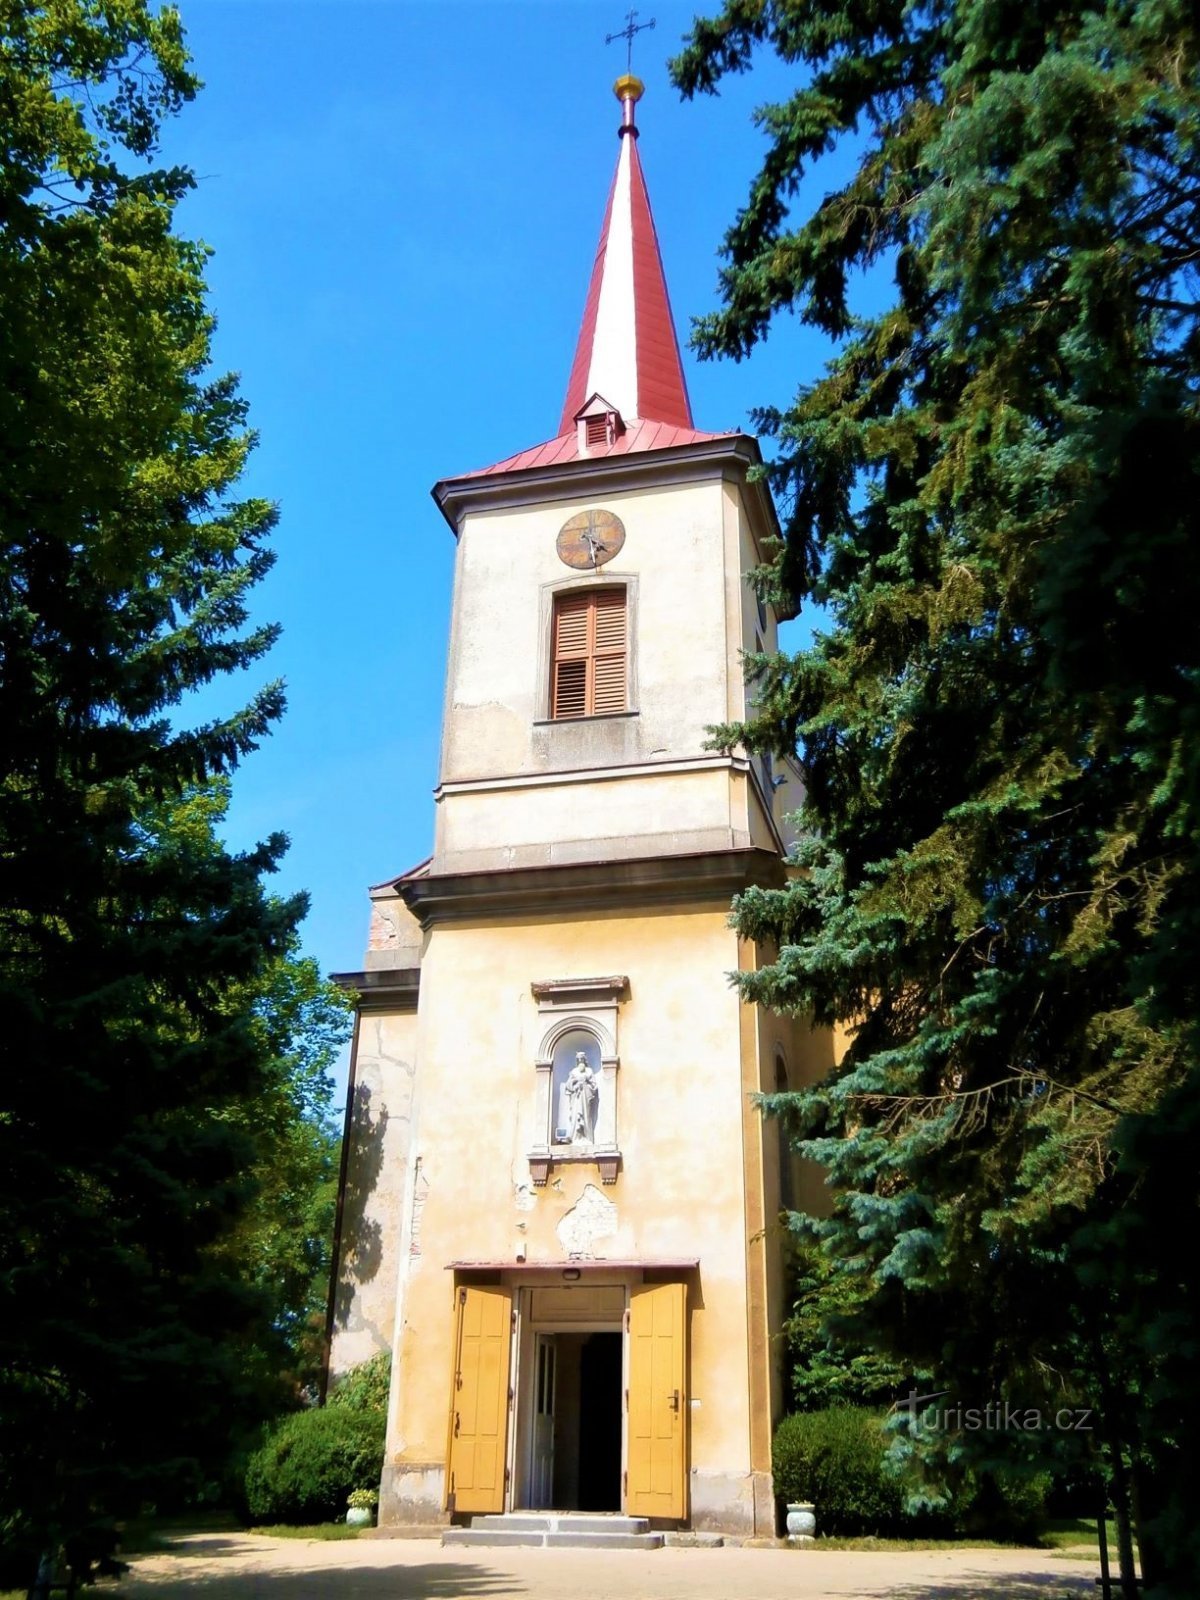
point(311, 1461)
point(835, 1459)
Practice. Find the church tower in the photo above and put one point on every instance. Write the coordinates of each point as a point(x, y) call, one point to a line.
point(559, 1199)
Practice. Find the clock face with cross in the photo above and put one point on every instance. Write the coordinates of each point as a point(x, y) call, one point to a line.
point(589, 539)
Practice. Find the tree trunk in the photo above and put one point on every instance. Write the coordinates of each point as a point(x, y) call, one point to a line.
point(1120, 1502)
point(45, 1577)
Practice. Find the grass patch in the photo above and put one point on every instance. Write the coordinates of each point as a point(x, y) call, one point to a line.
point(1076, 1531)
point(1064, 1537)
point(312, 1530)
point(870, 1542)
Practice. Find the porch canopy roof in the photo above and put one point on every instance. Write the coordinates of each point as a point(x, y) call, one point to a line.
point(579, 1264)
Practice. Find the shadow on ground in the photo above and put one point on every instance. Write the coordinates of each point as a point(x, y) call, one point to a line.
point(197, 1545)
point(445, 1581)
point(1041, 1585)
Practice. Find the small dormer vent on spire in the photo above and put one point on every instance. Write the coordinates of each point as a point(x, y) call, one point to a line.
point(599, 423)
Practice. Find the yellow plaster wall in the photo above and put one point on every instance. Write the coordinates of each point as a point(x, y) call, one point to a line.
point(679, 1102)
point(809, 1054)
point(379, 1128)
point(499, 667)
point(555, 822)
point(691, 615)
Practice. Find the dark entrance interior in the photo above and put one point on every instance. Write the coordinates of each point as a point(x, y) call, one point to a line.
point(600, 1423)
point(587, 1422)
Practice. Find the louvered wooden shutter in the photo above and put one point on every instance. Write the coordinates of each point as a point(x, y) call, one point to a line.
point(589, 654)
point(571, 655)
point(608, 655)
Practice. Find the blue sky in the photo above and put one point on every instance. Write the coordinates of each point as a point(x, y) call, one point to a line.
point(403, 199)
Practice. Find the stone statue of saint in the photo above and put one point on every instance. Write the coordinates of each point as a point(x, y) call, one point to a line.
point(577, 1102)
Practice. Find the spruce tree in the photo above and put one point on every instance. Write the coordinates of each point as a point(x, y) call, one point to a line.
point(126, 557)
point(992, 490)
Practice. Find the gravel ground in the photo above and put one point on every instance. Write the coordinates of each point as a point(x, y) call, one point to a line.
point(254, 1567)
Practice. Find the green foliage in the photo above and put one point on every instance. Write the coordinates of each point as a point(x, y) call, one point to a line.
point(150, 1086)
point(828, 1364)
point(843, 1458)
point(282, 1243)
point(837, 1459)
point(991, 491)
point(312, 1461)
point(365, 1387)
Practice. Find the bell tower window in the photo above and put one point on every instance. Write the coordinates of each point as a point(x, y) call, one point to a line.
point(588, 672)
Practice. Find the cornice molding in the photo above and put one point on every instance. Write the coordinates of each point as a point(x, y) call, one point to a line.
point(585, 479)
point(559, 775)
point(578, 991)
point(713, 876)
point(383, 988)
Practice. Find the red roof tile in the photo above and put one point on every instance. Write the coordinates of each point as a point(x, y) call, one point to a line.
point(638, 437)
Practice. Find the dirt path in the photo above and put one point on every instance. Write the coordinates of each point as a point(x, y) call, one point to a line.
point(253, 1567)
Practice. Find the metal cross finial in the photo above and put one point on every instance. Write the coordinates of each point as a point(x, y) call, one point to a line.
point(631, 27)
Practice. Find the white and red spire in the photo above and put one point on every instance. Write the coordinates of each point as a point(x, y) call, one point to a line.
point(627, 351)
point(626, 394)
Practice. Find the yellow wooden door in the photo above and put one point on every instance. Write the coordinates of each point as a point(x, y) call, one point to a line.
point(657, 1443)
point(479, 1403)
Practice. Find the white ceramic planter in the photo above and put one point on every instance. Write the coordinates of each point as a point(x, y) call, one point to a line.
point(360, 1516)
point(801, 1522)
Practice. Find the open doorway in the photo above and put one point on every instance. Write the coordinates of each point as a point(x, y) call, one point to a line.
point(577, 1422)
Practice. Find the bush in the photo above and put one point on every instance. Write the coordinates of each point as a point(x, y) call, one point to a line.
point(835, 1459)
point(310, 1463)
point(1006, 1505)
point(365, 1387)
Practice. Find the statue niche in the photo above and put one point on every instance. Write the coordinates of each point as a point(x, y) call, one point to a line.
point(575, 1091)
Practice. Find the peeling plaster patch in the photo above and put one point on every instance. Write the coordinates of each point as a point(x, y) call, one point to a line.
point(524, 1196)
point(593, 1217)
point(420, 1195)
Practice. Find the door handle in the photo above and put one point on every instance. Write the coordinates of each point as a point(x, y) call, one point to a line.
point(673, 1399)
point(456, 1421)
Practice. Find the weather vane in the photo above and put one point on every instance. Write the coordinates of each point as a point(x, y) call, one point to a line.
point(631, 27)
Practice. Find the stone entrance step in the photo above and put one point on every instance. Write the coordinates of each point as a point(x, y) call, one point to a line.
point(558, 1530)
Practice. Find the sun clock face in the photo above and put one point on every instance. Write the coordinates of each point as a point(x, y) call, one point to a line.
point(590, 539)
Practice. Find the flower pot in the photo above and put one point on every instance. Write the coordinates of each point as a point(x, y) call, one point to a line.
point(801, 1522)
point(360, 1516)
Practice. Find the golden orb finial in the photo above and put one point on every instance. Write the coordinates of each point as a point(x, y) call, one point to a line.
point(628, 90)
